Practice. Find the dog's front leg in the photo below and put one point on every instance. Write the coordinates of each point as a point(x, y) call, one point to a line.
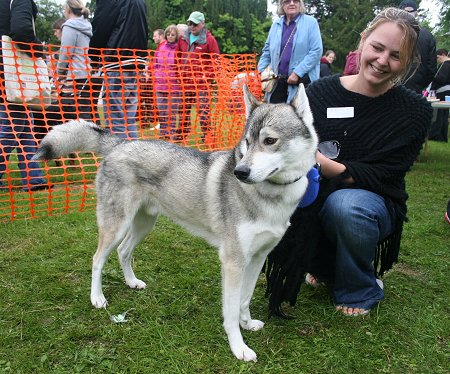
point(232, 277)
point(251, 274)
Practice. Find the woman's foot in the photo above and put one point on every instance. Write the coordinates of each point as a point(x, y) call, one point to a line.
point(349, 311)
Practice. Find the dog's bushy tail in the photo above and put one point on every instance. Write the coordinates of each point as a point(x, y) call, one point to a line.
point(76, 136)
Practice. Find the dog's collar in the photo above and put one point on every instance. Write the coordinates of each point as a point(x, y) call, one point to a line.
point(286, 183)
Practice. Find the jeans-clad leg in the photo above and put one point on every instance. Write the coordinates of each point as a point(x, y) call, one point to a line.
point(15, 133)
point(121, 103)
point(356, 220)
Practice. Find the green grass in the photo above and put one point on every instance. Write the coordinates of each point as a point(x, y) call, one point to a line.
point(47, 324)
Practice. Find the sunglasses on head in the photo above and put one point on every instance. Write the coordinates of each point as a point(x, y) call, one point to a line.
point(190, 23)
point(330, 148)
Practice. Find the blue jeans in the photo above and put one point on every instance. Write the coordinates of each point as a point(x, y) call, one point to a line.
point(168, 105)
point(121, 103)
point(15, 132)
point(356, 220)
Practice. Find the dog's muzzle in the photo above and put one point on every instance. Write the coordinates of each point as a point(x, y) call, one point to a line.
point(242, 172)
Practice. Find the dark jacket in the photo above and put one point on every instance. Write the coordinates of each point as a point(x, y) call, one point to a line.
point(426, 46)
point(119, 24)
point(441, 81)
point(17, 22)
point(325, 67)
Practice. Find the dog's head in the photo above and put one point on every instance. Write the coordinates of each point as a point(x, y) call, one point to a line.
point(279, 141)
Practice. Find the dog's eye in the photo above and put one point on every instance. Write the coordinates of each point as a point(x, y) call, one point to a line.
point(247, 143)
point(270, 141)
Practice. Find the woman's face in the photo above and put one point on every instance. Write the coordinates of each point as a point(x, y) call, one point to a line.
point(380, 55)
point(331, 57)
point(291, 7)
point(57, 33)
point(171, 37)
point(66, 12)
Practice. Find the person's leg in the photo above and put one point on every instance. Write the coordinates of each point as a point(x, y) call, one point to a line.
point(131, 102)
point(8, 140)
point(115, 104)
point(356, 220)
point(26, 147)
point(185, 117)
point(280, 93)
point(439, 129)
point(163, 115)
point(204, 105)
point(174, 110)
point(84, 100)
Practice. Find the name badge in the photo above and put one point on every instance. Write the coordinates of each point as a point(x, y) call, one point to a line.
point(344, 112)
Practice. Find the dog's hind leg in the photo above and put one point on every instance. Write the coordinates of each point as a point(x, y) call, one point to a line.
point(251, 274)
point(140, 227)
point(232, 277)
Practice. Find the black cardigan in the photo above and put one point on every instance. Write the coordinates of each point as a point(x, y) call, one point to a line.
point(378, 146)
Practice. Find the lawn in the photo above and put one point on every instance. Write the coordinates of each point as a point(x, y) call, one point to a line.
point(47, 324)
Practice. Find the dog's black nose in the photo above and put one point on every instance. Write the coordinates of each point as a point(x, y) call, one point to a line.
point(242, 172)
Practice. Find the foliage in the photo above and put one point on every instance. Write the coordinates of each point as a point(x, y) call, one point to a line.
point(443, 28)
point(48, 12)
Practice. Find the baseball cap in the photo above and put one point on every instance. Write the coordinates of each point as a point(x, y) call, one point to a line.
point(196, 17)
point(407, 4)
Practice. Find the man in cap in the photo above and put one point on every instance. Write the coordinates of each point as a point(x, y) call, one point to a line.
point(419, 79)
point(199, 60)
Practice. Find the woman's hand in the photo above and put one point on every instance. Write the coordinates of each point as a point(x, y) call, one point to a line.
point(329, 168)
point(293, 79)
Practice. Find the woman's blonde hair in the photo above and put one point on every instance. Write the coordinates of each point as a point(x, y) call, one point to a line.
point(410, 26)
point(172, 28)
point(280, 10)
point(77, 7)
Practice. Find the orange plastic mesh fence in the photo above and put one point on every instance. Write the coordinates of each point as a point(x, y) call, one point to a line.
point(191, 99)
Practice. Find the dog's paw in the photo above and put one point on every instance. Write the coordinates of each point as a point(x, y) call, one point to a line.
point(99, 301)
point(244, 353)
point(136, 283)
point(252, 325)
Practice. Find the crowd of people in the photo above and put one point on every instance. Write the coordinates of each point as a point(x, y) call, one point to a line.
point(380, 121)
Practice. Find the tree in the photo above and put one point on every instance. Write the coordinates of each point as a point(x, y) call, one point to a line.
point(48, 12)
point(442, 32)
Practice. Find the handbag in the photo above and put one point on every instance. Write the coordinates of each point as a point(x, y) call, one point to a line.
point(268, 79)
point(26, 78)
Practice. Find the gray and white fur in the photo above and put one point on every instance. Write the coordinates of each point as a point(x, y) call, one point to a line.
point(240, 200)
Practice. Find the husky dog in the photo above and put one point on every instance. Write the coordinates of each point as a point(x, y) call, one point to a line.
point(239, 200)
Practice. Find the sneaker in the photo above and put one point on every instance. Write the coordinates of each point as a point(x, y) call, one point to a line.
point(38, 187)
point(447, 213)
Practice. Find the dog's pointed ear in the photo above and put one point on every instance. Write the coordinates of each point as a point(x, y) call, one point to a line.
point(251, 102)
point(301, 104)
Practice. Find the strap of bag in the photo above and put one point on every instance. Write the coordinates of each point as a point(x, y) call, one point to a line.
point(290, 37)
